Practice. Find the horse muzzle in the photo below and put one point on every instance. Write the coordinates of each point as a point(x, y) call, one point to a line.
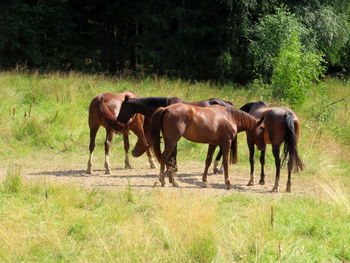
point(137, 153)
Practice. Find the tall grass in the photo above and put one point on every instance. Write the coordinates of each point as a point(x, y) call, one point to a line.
point(58, 223)
point(47, 114)
point(43, 122)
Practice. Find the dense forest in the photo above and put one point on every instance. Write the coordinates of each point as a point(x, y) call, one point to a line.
point(222, 40)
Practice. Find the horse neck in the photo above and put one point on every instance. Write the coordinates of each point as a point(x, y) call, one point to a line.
point(139, 107)
point(244, 121)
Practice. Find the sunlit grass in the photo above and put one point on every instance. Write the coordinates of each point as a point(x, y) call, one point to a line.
point(46, 115)
point(43, 123)
point(41, 222)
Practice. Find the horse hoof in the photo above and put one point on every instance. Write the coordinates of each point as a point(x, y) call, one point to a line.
point(88, 172)
point(108, 171)
point(127, 167)
point(262, 182)
point(250, 183)
point(288, 190)
point(206, 185)
point(175, 184)
point(274, 190)
point(153, 166)
point(220, 172)
point(215, 170)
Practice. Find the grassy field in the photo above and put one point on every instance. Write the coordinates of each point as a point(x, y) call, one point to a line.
point(43, 121)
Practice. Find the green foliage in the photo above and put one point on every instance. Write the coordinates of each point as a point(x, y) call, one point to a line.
point(295, 71)
point(269, 37)
point(13, 181)
point(203, 249)
point(32, 129)
point(189, 39)
point(329, 30)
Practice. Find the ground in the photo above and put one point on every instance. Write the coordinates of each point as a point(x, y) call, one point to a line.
point(142, 178)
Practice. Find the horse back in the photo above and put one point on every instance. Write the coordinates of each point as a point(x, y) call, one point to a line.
point(104, 109)
point(196, 123)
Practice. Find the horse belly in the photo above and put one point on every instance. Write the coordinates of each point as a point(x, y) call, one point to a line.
point(200, 134)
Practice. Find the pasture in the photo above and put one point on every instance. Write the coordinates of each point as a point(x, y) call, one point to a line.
point(52, 212)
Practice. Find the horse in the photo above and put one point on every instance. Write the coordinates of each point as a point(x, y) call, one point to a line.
point(103, 111)
point(279, 124)
point(147, 106)
point(214, 125)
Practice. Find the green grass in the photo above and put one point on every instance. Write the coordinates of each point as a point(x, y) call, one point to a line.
point(51, 223)
point(49, 112)
point(43, 122)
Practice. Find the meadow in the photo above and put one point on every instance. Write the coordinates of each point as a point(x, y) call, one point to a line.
point(43, 123)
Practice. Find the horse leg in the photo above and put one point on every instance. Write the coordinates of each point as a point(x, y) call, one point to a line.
point(276, 154)
point(208, 160)
point(216, 163)
point(289, 182)
point(151, 160)
point(93, 132)
point(126, 150)
point(161, 175)
point(169, 149)
point(109, 137)
point(251, 161)
point(262, 163)
point(171, 164)
point(225, 152)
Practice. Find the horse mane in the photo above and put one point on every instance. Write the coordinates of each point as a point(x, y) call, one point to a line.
point(244, 120)
point(150, 101)
point(250, 106)
point(226, 103)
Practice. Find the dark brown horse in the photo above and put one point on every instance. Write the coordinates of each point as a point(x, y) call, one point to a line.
point(214, 125)
point(147, 106)
point(280, 124)
point(103, 111)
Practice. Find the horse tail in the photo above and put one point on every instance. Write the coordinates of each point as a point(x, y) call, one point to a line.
point(156, 127)
point(290, 144)
point(106, 112)
point(233, 152)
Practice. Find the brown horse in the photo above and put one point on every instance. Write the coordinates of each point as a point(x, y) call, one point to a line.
point(103, 111)
point(280, 124)
point(147, 106)
point(214, 125)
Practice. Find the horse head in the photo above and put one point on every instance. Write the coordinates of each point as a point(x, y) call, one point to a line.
point(258, 133)
point(136, 125)
point(125, 113)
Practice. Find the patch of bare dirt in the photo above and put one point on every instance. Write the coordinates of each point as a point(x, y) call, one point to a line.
point(188, 177)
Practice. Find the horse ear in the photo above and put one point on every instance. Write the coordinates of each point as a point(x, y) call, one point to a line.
point(259, 122)
point(126, 99)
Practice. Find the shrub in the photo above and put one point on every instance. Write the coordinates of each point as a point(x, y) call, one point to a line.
point(294, 71)
point(268, 39)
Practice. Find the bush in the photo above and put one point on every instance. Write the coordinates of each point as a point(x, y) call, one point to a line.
point(294, 71)
point(329, 30)
point(268, 39)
